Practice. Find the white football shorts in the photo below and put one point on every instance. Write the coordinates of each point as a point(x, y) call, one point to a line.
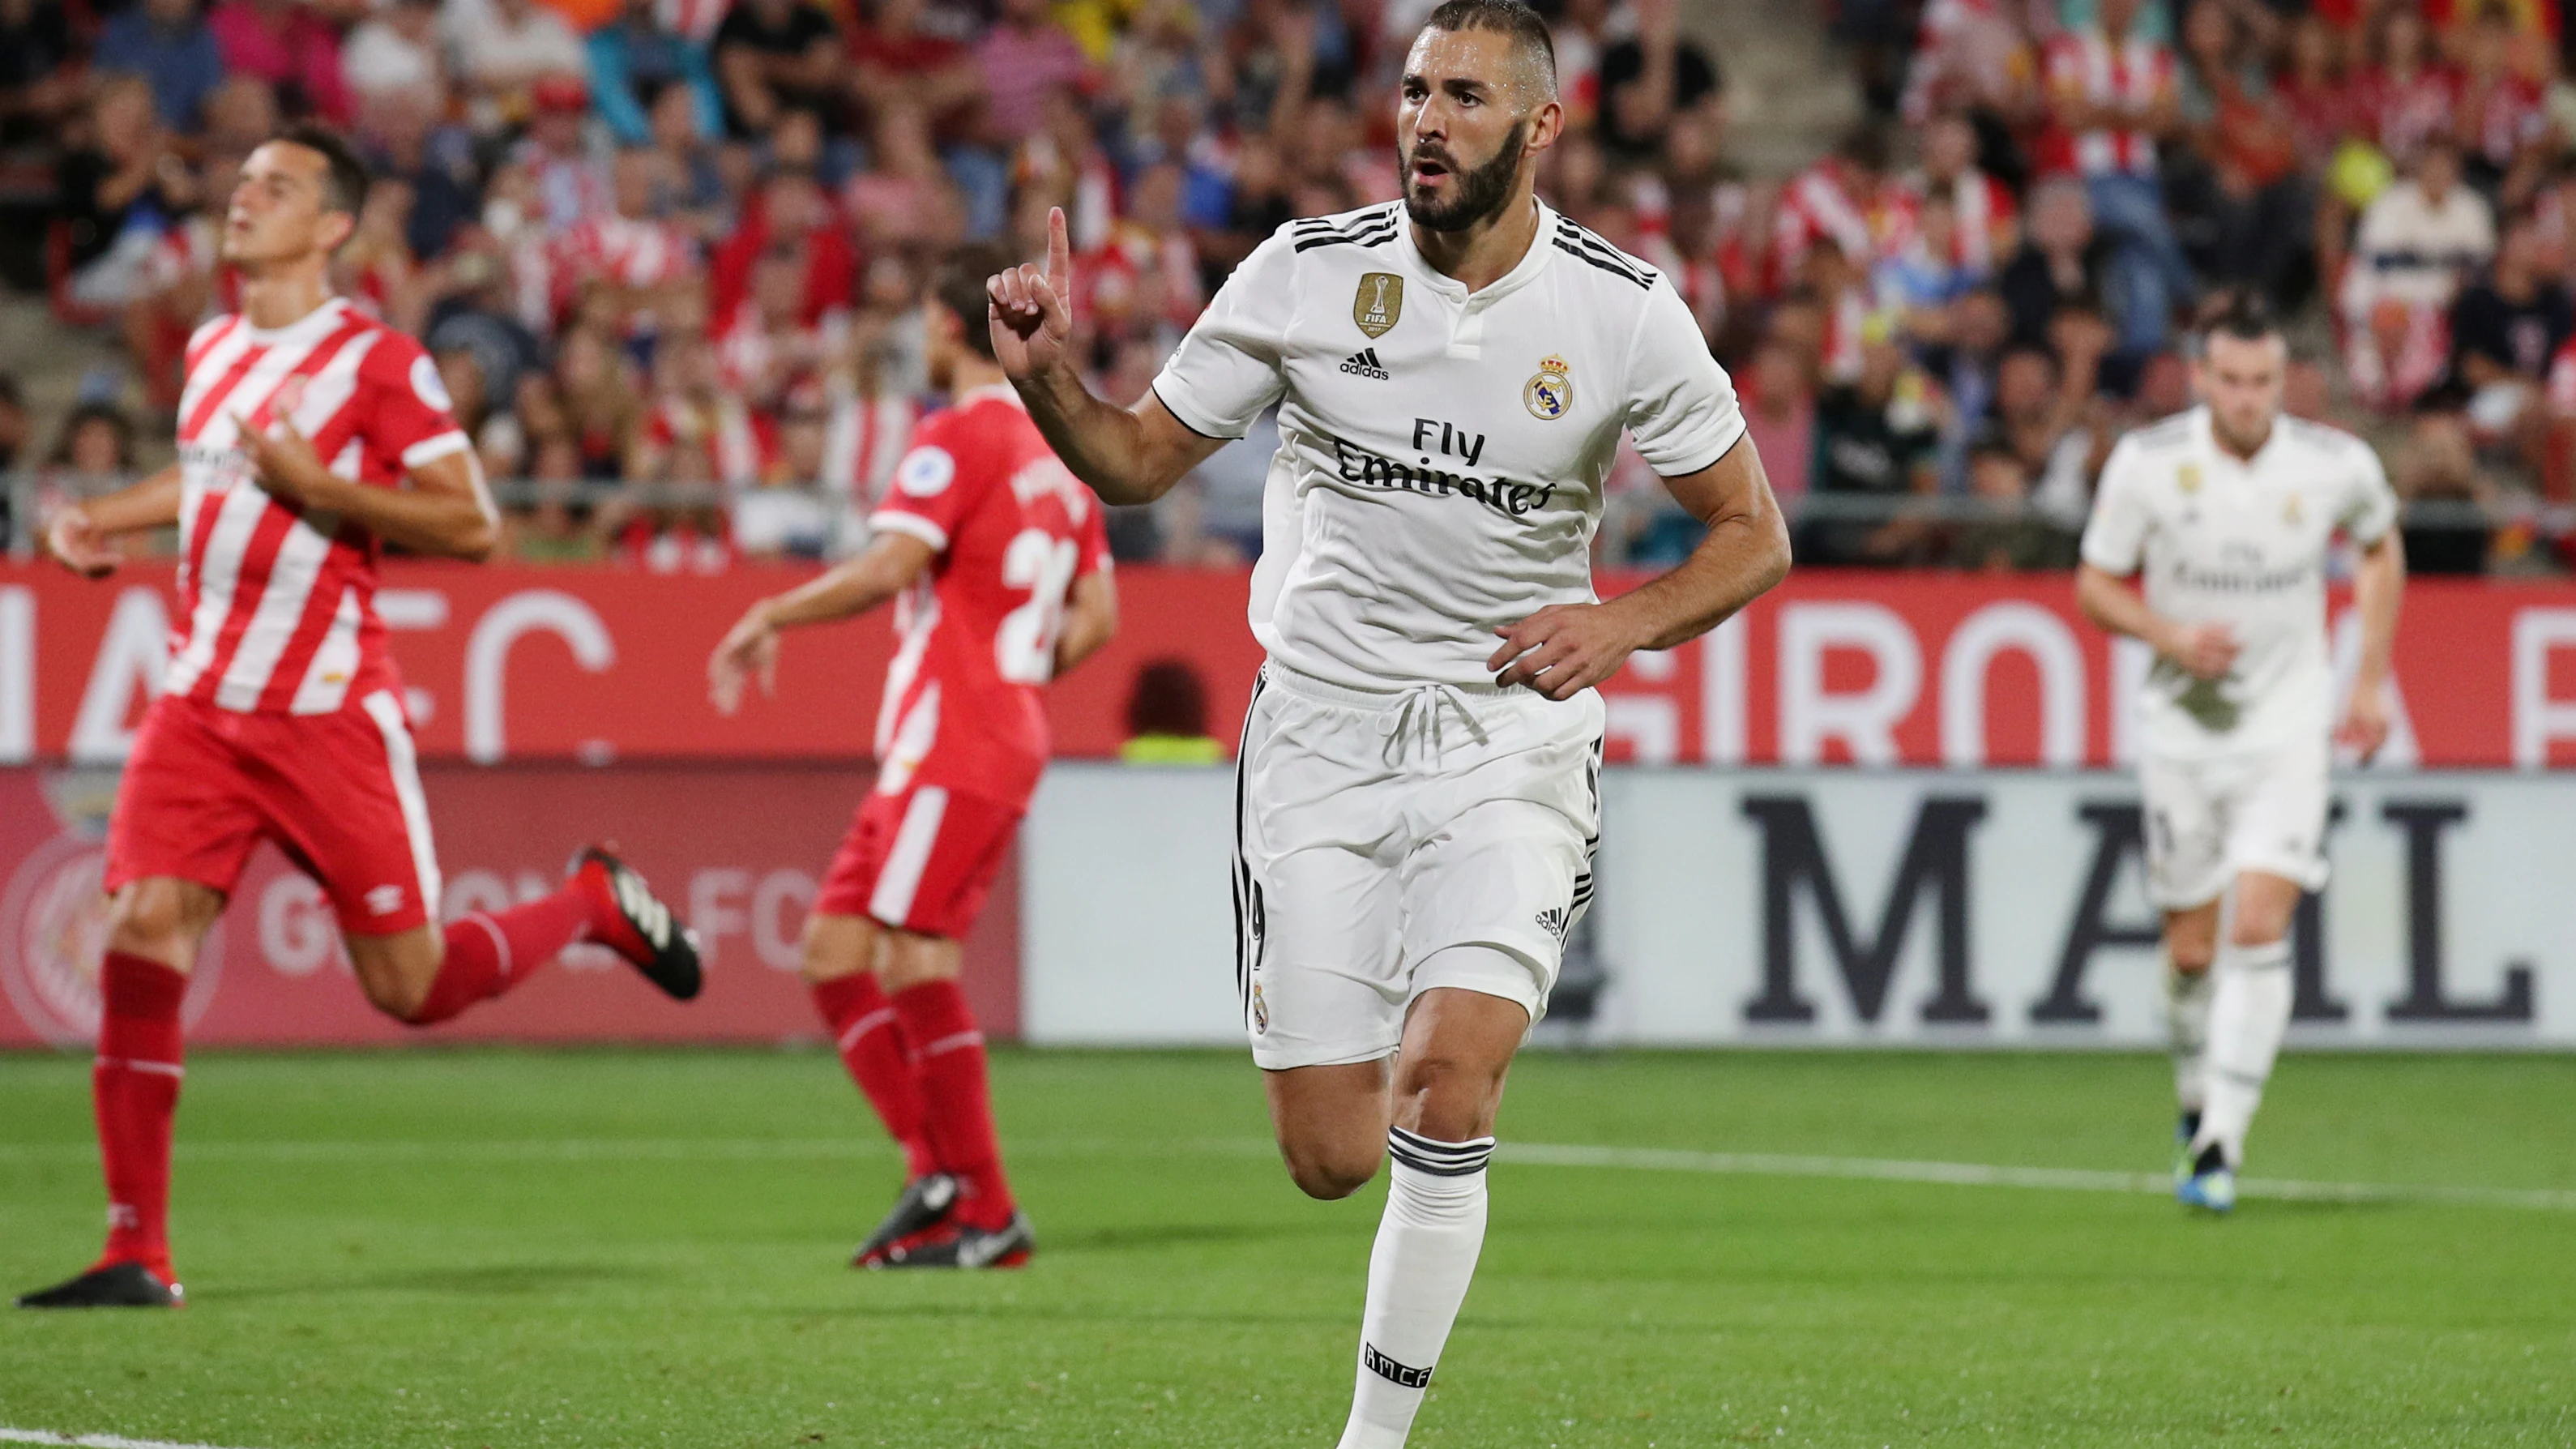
point(1376, 830)
point(2209, 821)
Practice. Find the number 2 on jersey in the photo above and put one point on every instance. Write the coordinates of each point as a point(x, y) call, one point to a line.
point(1024, 647)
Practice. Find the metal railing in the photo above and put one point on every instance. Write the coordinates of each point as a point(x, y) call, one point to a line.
point(29, 492)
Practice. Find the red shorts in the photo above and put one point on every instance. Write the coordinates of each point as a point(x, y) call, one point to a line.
point(339, 793)
point(922, 859)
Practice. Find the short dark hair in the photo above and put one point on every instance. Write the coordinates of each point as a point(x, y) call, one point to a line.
point(344, 186)
point(1526, 27)
point(2243, 314)
point(959, 287)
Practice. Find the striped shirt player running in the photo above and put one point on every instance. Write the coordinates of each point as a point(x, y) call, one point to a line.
point(310, 436)
point(1418, 768)
point(997, 561)
point(2226, 516)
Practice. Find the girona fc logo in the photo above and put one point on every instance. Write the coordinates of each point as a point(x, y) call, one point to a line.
point(53, 931)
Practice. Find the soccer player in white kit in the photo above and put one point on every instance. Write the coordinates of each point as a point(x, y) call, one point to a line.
point(1418, 770)
point(2227, 514)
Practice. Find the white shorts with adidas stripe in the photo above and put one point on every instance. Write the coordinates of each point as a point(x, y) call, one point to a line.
point(1374, 830)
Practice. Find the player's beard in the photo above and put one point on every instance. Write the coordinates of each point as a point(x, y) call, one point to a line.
point(1481, 193)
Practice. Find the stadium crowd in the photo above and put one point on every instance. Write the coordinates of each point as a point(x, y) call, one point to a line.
point(669, 254)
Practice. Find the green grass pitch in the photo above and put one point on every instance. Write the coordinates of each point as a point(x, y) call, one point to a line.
point(464, 1248)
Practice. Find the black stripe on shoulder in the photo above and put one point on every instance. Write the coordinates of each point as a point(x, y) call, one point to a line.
point(1362, 239)
point(1359, 222)
point(1622, 273)
point(1592, 243)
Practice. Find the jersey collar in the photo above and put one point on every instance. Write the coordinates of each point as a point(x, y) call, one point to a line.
point(1527, 269)
point(2204, 437)
point(320, 320)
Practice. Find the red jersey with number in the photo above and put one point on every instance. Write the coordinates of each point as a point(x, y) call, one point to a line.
point(1011, 529)
point(279, 604)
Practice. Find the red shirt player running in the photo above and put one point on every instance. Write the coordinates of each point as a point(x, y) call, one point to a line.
point(999, 562)
point(309, 437)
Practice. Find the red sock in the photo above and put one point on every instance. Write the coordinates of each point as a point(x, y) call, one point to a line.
point(488, 954)
point(956, 1099)
point(135, 1088)
point(872, 1046)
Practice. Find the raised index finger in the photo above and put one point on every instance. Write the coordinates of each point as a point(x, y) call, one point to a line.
point(1059, 272)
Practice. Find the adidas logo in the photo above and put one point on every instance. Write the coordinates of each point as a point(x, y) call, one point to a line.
point(1556, 921)
point(1364, 363)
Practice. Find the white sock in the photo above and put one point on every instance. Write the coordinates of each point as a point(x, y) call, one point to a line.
point(2249, 1012)
point(2187, 995)
point(1426, 1252)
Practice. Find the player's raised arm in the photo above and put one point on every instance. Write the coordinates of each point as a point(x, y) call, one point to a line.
point(82, 536)
point(750, 649)
point(1127, 455)
point(1564, 649)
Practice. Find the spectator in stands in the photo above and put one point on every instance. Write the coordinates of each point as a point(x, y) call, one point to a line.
point(1847, 197)
point(2505, 329)
point(168, 43)
point(474, 314)
point(40, 86)
point(1650, 77)
point(2013, 539)
point(117, 192)
point(1874, 443)
point(2244, 209)
point(288, 44)
point(553, 530)
point(571, 187)
point(95, 445)
point(2416, 245)
point(1780, 416)
point(900, 58)
point(395, 49)
point(1167, 717)
point(689, 183)
point(240, 115)
point(1988, 227)
point(775, 56)
point(1025, 57)
point(2502, 124)
point(503, 47)
point(2112, 100)
point(400, 135)
point(2062, 262)
point(634, 59)
point(2405, 95)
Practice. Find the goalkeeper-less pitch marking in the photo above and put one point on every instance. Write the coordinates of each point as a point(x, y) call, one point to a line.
point(88, 1441)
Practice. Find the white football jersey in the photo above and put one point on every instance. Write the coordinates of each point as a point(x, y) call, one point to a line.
point(2243, 543)
point(1441, 454)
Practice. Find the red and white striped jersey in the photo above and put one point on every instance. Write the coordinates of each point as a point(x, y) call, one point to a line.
point(1818, 203)
point(1986, 213)
point(279, 605)
point(2087, 65)
point(866, 437)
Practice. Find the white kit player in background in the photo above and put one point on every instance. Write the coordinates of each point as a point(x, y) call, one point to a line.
point(2228, 514)
point(1418, 802)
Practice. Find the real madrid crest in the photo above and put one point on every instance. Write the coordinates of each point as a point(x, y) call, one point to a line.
point(1379, 304)
point(2291, 511)
point(1549, 394)
point(2187, 478)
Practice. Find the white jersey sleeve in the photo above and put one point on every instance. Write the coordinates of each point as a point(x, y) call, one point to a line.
point(1228, 369)
point(2372, 509)
point(2115, 537)
point(1682, 410)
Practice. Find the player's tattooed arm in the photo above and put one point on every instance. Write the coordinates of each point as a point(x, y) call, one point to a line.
point(1127, 455)
point(2206, 650)
point(83, 536)
point(1566, 648)
point(749, 650)
point(2377, 586)
point(445, 512)
point(1090, 619)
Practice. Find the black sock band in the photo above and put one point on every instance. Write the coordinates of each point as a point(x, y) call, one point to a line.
point(1440, 1159)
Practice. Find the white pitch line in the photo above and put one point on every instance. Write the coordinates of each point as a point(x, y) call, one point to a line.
point(90, 1441)
point(1979, 1174)
point(1527, 1154)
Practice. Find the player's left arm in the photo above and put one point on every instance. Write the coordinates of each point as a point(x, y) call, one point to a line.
point(1566, 648)
point(887, 567)
point(1090, 619)
point(2378, 586)
point(445, 511)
